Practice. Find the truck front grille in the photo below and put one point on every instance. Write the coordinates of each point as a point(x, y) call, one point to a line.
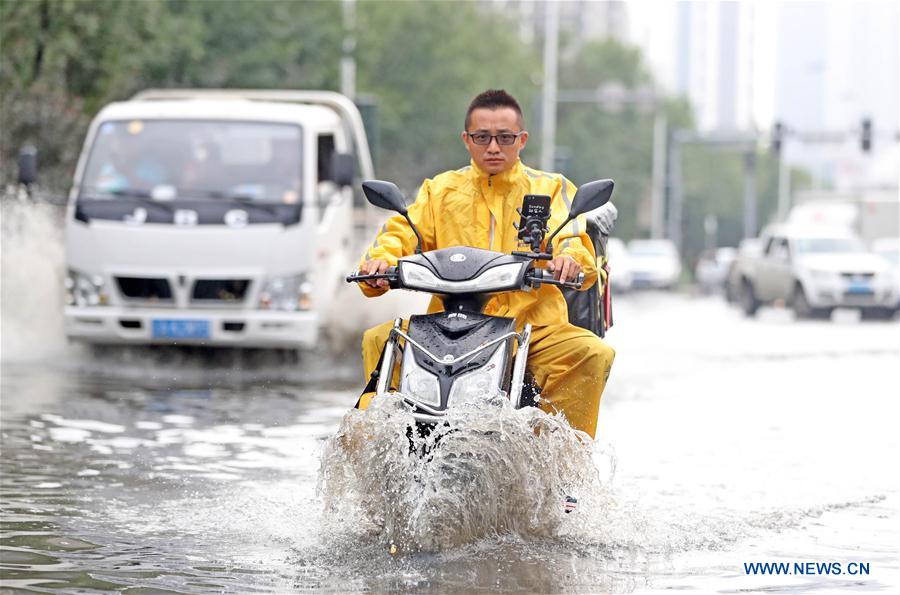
point(142, 288)
point(220, 290)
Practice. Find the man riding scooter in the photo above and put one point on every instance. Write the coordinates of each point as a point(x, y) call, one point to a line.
point(476, 206)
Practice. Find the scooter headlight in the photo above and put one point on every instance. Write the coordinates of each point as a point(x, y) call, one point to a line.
point(501, 277)
point(286, 293)
point(417, 383)
point(85, 290)
point(476, 386)
point(416, 276)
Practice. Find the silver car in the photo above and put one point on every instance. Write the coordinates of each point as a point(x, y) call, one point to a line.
point(654, 264)
point(814, 270)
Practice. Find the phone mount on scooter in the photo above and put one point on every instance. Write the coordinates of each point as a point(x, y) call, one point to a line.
point(590, 196)
point(534, 213)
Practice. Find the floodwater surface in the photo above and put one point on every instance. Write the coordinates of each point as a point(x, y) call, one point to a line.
point(722, 442)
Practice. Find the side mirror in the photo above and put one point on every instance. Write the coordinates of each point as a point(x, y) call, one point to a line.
point(342, 169)
point(27, 165)
point(590, 196)
point(384, 195)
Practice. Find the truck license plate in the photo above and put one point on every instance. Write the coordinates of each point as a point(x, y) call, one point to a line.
point(180, 329)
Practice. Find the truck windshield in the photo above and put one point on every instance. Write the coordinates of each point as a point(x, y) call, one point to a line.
point(195, 160)
point(827, 245)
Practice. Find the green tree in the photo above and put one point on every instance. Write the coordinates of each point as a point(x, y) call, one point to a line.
point(613, 141)
point(424, 61)
point(60, 60)
point(64, 59)
point(249, 44)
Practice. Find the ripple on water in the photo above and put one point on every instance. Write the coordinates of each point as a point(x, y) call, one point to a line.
point(498, 474)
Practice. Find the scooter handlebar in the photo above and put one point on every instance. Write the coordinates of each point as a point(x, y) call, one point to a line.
point(535, 278)
point(390, 274)
point(539, 276)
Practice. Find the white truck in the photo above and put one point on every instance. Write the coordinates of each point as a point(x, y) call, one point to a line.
point(815, 269)
point(214, 217)
point(871, 214)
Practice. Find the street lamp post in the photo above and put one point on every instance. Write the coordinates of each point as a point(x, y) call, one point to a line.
point(348, 49)
point(750, 206)
point(548, 104)
point(658, 187)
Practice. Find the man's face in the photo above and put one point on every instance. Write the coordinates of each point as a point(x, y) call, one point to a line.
point(494, 157)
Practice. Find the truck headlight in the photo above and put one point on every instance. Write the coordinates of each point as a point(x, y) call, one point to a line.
point(85, 290)
point(286, 293)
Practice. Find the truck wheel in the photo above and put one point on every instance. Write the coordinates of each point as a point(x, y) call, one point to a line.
point(749, 303)
point(288, 357)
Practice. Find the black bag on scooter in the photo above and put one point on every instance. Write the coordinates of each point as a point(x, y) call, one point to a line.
point(587, 309)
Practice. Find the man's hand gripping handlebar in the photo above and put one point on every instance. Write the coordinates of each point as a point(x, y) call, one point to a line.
point(375, 273)
point(536, 277)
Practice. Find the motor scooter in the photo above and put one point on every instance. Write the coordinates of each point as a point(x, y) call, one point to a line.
point(448, 357)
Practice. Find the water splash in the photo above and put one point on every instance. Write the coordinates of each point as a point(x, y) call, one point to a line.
point(32, 279)
point(489, 470)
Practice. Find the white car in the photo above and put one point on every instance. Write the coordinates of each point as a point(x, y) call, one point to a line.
point(815, 269)
point(621, 277)
point(889, 249)
point(654, 263)
point(712, 269)
point(748, 250)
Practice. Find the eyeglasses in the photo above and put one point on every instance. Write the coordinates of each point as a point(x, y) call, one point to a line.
point(504, 138)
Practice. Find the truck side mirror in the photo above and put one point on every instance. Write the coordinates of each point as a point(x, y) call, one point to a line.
point(342, 168)
point(27, 165)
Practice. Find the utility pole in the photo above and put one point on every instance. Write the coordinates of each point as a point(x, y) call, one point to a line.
point(678, 138)
point(673, 232)
point(784, 185)
point(548, 103)
point(711, 232)
point(348, 49)
point(658, 189)
point(750, 207)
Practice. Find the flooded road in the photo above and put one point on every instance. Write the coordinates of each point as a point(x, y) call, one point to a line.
point(723, 442)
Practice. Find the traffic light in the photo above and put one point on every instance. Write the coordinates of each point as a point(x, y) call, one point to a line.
point(865, 138)
point(777, 137)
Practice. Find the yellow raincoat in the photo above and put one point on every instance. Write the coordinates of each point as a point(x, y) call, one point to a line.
point(469, 207)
